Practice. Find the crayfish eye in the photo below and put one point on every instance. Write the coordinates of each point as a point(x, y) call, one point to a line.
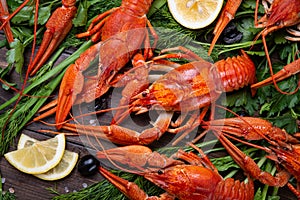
point(277, 23)
point(145, 93)
point(285, 148)
point(148, 106)
point(160, 171)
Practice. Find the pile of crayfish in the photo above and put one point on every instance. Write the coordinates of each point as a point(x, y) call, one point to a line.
point(183, 91)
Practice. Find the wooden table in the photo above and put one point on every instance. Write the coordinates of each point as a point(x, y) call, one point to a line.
point(26, 186)
point(29, 187)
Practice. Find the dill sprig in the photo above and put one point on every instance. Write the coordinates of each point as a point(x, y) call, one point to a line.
point(104, 190)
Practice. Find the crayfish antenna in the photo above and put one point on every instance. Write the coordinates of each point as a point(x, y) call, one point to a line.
point(32, 53)
point(249, 166)
point(294, 190)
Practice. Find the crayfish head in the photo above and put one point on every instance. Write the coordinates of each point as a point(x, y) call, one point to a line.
point(186, 181)
point(288, 157)
point(159, 96)
point(142, 102)
point(282, 13)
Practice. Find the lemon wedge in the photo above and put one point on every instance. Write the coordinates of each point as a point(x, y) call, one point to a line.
point(25, 141)
point(64, 167)
point(195, 14)
point(40, 157)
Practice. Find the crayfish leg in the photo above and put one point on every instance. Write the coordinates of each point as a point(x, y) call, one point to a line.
point(250, 167)
point(58, 26)
point(287, 71)
point(294, 190)
point(4, 14)
point(131, 190)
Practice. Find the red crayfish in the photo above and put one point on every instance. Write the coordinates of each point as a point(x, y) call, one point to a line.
point(186, 88)
point(280, 14)
point(122, 32)
point(190, 177)
point(284, 148)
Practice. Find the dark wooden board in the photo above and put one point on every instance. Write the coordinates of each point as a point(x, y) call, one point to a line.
point(27, 186)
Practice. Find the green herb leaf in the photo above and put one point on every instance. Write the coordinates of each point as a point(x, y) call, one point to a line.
point(258, 194)
point(281, 102)
point(24, 15)
point(241, 100)
point(285, 51)
point(224, 163)
point(82, 14)
point(246, 26)
point(44, 14)
point(249, 5)
point(273, 197)
point(6, 87)
point(15, 55)
point(279, 38)
point(156, 5)
point(286, 121)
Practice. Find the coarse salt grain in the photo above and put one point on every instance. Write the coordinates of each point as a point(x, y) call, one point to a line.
point(84, 185)
point(11, 190)
point(93, 122)
point(67, 189)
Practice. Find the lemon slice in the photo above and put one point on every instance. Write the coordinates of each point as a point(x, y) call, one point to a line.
point(40, 157)
point(64, 167)
point(195, 14)
point(25, 141)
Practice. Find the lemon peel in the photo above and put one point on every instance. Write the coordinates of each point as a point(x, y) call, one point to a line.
point(195, 14)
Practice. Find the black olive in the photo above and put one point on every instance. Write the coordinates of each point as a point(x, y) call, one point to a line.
point(88, 165)
point(232, 38)
point(231, 34)
point(229, 28)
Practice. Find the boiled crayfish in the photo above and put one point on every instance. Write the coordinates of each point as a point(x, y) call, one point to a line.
point(58, 26)
point(284, 148)
point(190, 177)
point(186, 88)
point(122, 31)
point(281, 13)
